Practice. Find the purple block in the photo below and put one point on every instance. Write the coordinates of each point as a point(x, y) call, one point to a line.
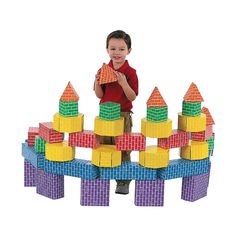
point(50, 185)
point(95, 192)
point(195, 187)
point(29, 174)
point(149, 192)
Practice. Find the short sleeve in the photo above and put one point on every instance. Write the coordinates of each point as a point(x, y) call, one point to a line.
point(133, 81)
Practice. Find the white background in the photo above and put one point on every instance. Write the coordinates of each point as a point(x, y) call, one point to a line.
point(45, 44)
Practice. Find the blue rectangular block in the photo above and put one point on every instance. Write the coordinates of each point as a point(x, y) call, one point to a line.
point(182, 168)
point(128, 170)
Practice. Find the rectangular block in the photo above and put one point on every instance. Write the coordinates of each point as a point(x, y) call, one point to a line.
point(149, 192)
point(95, 192)
point(47, 133)
point(86, 139)
point(39, 145)
point(29, 174)
point(203, 135)
point(130, 142)
point(32, 132)
point(177, 139)
point(191, 108)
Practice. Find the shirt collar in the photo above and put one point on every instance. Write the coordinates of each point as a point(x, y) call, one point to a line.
point(122, 69)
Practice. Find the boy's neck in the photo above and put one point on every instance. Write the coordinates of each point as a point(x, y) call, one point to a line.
point(116, 66)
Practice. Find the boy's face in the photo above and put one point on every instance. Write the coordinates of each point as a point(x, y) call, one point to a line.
point(117, 50)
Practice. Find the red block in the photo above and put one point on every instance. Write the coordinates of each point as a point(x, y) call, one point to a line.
point(130, 142)
point(47, 133)
point(203, 135)
point(32, 132)
point(86, 139)
point(177, 139)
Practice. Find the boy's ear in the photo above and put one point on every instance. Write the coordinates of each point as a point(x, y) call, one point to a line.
point(129, 50)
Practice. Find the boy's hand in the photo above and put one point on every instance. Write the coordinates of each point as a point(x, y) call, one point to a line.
point(97, 76)
point(121, 79)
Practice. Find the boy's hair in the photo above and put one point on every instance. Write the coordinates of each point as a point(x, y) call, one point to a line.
point(119, 34)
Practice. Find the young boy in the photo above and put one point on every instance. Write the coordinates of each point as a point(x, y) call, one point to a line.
point(123, 91)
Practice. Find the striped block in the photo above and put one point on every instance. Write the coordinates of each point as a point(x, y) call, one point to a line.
point(194, 151)
point(156, 129)
point(47, 133)
point(109, 111)
point(177, 139)
point(68, 124)
point(32, 132)
point(86, 139)
point(149, 192)
point(68, 109)
point(130, 142)
point(95, 192)
point(39, 145)
point(157, 114)
point(29, 174)
point(182, 168)
point(128, 170)
point(191, 108)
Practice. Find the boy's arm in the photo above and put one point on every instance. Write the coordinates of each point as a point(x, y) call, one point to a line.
point(97, 88)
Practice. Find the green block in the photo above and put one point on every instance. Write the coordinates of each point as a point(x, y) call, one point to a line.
point(68, 109)
point(39, 145)
point(157, 114)
point(109, 111)
point(211, 142)
point(191, 108)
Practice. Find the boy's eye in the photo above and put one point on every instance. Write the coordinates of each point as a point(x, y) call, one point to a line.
point(113, 49)
point(122, 49)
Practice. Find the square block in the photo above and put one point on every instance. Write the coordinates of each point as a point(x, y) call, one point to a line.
point(109, 111)
point(68, 109)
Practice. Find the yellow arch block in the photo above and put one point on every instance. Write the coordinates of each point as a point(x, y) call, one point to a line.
point(106, 156)
point(192, 124)
point(109, 127)
point(156, 129)
point(68, 124)
point(59, 152)
point(194, 151)
point(154, 157)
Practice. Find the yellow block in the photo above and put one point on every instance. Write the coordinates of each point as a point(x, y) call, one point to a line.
point(106, 156)
point(192, 124)
point(68, 124)
point(154, 157)
point(156, 129)
point(109, 127)
point(194, 151)
point(59, 152)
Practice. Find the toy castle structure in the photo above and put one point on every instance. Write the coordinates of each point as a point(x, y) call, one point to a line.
point(48, 157)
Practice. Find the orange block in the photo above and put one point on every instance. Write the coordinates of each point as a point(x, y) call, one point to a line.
point(193, 94)
point(69, 94)
point(156, 100)
point(107, 75)
point(209, 119)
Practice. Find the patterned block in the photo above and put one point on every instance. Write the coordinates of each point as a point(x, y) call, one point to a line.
point(95, 192)
point(192, 124)
point(157, 114)
point(149, 192)
point(109, 111)
point(39, 145)
point(106, 75)
point(47, 133)
point(86, 139)
point(156, 129)
point(32, 132)
point(68, 124)
point(109, 127)
point(203, 135)
point(130, 142)
point(177, 139)
point(195, 187)
point(154, 157)
point(194, 151)
point(211, 142)
point(68, 109)
point(29, 174)
point(50, 185)
point(191, 108)
point(182, 168)
point(128, 170)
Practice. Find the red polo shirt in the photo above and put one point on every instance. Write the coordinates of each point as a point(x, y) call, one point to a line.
point(113, 92)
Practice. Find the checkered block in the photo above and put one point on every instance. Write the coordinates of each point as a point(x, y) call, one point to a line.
point(128, 170)
point(95, 192)
point(109, 111)
point(203, 135)
point(149, 192)
point(182, 168)
point(47, 133)
point(130, 142)
point(177, 139)
point(86, 139)
point(32, 132)
point(29, 174)
point(49, 185)
point(195, 187)
point(191, 108)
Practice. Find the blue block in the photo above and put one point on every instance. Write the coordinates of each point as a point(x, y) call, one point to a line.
point(182, 168)
point(128, 170)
